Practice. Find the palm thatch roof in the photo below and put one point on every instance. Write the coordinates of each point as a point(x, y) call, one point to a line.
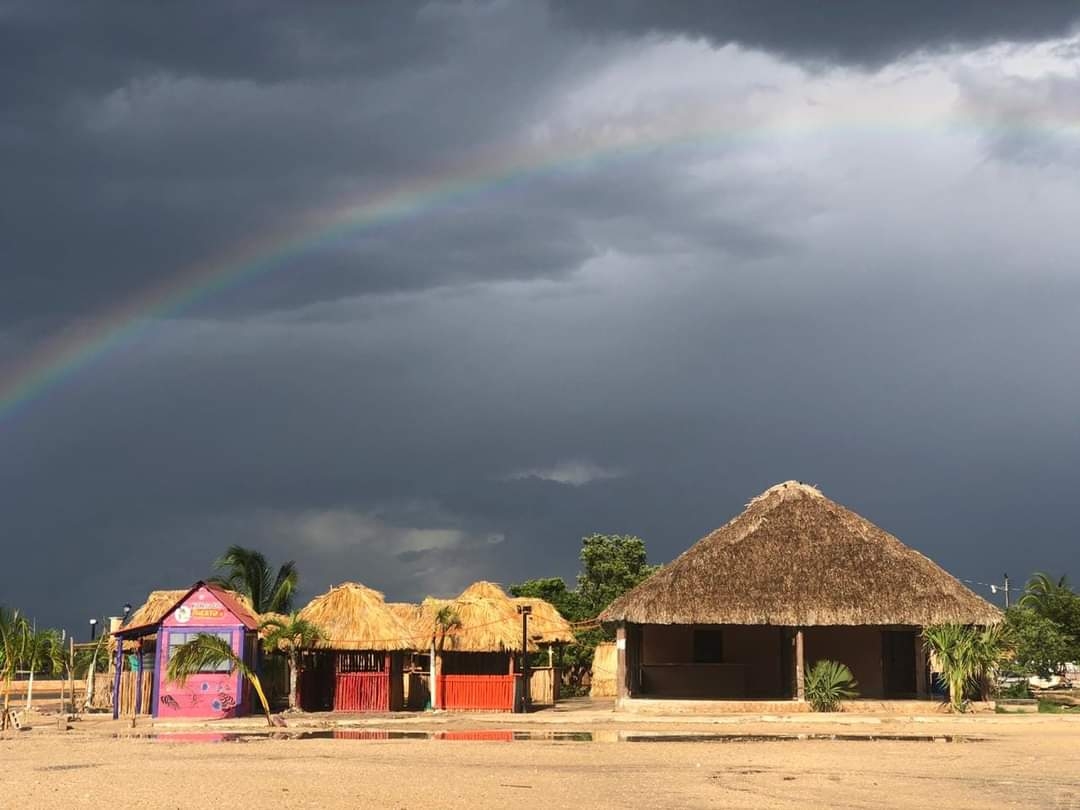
point(546, 624)
point(796, 558)
point(158, 604)
point(490, 621)
point(353, 617)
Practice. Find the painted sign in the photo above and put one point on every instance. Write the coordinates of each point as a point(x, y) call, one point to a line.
point(201, 608)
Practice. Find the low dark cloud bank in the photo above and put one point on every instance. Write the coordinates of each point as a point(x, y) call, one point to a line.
point(794, 243)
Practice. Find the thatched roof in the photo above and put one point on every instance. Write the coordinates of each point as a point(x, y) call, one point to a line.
point(490, 621)
point(796, 558)
point(546, 624)
point(353, 617)
point(155, 608)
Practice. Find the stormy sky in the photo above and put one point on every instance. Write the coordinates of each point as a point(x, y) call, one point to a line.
point(662, 256)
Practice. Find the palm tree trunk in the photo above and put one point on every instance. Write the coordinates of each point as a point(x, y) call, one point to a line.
point(30, 689)
point(7, 702)
point(293, 683)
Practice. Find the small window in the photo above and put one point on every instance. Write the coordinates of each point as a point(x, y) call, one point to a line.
point(177, 640)
point(708, 647)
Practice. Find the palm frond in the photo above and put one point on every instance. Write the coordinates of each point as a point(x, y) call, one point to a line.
point(207, 652)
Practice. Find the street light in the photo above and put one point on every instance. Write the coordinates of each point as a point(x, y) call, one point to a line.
point(525, 610)
point(127, 610)
point(93, 629)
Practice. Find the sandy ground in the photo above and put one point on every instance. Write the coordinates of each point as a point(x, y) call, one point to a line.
point(1018, 761)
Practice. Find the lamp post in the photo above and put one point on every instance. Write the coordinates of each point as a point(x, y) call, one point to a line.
point(93, 629)
point(127, 610)
point(525, 610)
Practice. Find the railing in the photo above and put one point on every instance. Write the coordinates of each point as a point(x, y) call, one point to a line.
point(477, 692)
point(362, 692)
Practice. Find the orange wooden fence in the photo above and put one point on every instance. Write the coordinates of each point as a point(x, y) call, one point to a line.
point(484, 692)
point(362, 692)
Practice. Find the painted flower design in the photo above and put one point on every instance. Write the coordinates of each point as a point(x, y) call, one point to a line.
point(205, 687)
point(216, 705)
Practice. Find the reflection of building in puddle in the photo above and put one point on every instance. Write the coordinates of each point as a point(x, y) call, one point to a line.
point(482, 735)
point(365, 734)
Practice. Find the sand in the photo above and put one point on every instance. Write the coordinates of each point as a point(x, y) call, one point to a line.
point(1021, 761)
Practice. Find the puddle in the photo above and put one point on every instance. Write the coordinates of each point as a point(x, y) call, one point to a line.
point(510, 735)
point(648, 737)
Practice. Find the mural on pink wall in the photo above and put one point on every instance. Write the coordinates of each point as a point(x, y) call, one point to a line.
point(216, 693)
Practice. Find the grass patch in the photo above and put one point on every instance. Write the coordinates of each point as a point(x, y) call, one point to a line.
point(1050, 707)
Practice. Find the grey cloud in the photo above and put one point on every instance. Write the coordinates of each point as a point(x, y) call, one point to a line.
point(869, 33)
point(637, 342)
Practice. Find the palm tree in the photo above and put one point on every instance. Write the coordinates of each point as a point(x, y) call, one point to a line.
point(206, 652)
point(43, 652)
point(14, 630)
point(446, 619)
point(248, 572)
point(291, 635)
point(1041, 592)
point(966, 655)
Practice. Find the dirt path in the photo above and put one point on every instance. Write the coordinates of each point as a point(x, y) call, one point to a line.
point(1018, 763)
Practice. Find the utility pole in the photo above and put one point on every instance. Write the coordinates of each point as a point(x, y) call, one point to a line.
point(1006, 591)
point(525, 610)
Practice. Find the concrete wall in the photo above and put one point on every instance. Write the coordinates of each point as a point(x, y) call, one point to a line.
point(857, 647)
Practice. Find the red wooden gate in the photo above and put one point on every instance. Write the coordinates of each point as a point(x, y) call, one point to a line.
point(362, 692)
point(486, 692)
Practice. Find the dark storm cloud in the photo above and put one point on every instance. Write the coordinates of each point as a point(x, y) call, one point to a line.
point(869, 33)
point(637, 341)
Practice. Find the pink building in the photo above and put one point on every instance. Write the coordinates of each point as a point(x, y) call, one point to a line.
point(216, 693)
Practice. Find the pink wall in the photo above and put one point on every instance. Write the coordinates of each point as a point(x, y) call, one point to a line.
point(206, 695)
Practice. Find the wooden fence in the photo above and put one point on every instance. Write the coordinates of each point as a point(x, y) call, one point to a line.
point(128, 684)
point(362, 692)
point(544, 685)
point(477, 692)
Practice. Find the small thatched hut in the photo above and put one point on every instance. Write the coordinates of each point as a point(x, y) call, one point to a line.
point(165, 622)
point(793, 579)
point(478, 662)
point(357, 668)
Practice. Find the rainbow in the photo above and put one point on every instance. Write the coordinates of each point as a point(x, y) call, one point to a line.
point(82, 344)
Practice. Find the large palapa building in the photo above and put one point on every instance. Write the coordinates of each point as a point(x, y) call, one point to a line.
point(793, 579)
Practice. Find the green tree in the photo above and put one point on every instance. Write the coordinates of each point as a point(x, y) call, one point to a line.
point(611, 564)
point(248, 572)
point(206, 652)
point(1053, 599)
point(966, 655)
point(1040, 646)
point(553, 590)
point(14, 633)
point(291, 636)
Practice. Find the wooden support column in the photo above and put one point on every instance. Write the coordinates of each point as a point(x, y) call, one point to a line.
point(622, 677)
point(921, 668)
point(119, 669)
point(800, 666)
point(138, 680)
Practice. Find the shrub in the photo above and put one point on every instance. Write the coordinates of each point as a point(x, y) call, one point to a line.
point(827, 683)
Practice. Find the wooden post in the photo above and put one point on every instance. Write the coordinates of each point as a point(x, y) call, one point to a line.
point(71, 670)
point(800, 673)
point(622, 677)
point(116, 680)
point(138, 680)
point(921, 687)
